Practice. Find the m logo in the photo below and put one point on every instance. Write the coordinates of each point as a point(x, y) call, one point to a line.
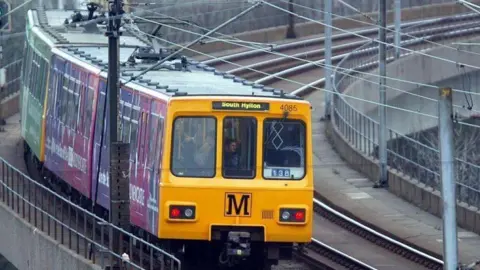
point(238, 204)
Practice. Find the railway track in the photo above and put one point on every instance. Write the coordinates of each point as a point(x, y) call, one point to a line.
point(285, 67)
point(270, 69)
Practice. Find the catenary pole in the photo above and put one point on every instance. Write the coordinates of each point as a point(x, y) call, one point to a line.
point(398, 21)
point(328, 57)
point(382, 109)
point(447, 170)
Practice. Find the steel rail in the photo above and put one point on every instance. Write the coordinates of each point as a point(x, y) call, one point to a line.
point(337, 37)
point(400, 248)
point(441, 34)
point(332, 254)
point(348, 46)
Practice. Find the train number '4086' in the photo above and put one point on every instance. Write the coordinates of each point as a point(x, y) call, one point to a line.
point(288, 108)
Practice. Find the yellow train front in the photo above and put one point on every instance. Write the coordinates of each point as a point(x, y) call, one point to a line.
point(237, 183)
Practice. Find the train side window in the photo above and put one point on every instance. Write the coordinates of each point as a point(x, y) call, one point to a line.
point(89, 105)
point(239, 147)
point(70, 97)
point(126, 114)
point(284, 149)
point(153, 142)
point(28, 69)
point(65, 94)
point(135, 115)
point(33, 74)
point(157, 129)
point(81, 103)
point(100, 121)
point(24, 63)
point(194, 147)
point(45, 78)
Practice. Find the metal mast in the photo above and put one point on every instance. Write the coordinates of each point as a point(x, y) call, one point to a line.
point(447, 173)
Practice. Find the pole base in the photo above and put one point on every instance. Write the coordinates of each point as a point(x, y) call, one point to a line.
point(381, 184)
point(290, 33)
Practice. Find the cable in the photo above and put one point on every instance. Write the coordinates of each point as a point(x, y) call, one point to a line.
point(374, 40)
point(196, 25)
point(333, 68)
point(296, 82)
point(317, 88)
point(381, 27)
point(333, 92)
point(292, 57)
point(16, 8)
point(354, 9)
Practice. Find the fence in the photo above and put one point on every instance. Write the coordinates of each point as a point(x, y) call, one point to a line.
point(76, 228)
point(411, 154)
point(12, 79)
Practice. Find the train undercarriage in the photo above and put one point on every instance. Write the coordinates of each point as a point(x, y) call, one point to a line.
point(231, 247)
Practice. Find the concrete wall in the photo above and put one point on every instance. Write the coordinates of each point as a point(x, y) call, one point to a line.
point(424, 100)
point(210, 13)
point(302, 29)
point(30, 249)
point(420, 69)
point(411, 190)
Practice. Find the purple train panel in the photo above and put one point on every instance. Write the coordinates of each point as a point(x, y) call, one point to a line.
point(142, 124)
point(68, 132)
point(100, 169)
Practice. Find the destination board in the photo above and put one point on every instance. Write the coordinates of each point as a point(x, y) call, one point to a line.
point(240, 106)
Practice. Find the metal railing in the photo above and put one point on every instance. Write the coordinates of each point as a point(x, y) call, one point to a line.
point(13, 76)
point(76, 228)
point(411, 154)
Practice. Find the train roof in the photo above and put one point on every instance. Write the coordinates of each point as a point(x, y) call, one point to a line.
point(52, 24)
point(173, 78)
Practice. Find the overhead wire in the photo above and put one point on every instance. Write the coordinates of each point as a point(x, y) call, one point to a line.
point(381, 27)
point(310, 62)
point(16, 8)
point(196, 25)
point(316, 63)
point(289, 80)
point(319, 88)
point(316, 88)
point(364, 37)
point(296, 58)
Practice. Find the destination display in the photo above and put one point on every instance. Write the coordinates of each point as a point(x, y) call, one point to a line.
point(240, 106)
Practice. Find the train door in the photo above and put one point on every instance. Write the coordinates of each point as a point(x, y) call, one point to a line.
point(153, 166)
point(100, 181)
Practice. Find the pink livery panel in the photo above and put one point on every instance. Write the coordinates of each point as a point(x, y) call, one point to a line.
point(142, 125)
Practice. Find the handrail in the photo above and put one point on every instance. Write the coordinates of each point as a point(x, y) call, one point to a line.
point(361, 130)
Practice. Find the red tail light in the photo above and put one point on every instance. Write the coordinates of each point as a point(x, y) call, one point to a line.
point(186, 212)
point(174, 213)
point(299, 216)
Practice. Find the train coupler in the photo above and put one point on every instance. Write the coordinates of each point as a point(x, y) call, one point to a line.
point(238, 244)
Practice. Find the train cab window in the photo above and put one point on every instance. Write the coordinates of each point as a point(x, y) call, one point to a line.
point(194, 147)
point(284, 149)
point(239, 147)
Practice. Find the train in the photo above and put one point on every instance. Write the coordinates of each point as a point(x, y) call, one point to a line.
point(219, 167)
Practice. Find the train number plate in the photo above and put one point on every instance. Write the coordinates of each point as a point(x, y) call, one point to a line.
point(280, 172)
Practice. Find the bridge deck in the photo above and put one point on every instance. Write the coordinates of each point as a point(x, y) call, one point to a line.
point(11, 149)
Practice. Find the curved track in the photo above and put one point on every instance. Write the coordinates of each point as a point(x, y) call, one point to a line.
point(297, 68)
